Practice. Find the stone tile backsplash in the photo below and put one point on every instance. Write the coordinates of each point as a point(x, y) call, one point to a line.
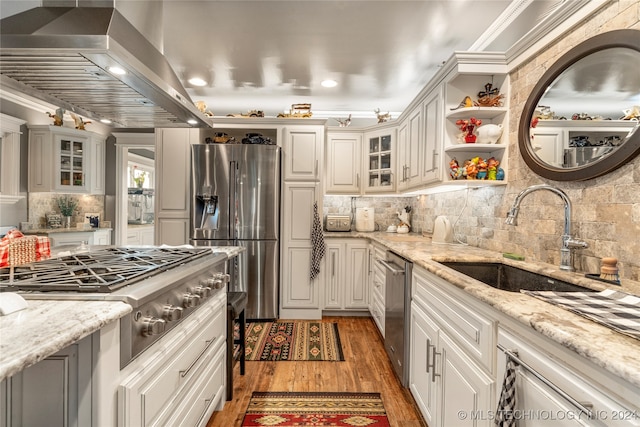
point(42, 203)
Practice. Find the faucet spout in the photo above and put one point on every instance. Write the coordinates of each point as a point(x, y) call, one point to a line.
point(568, 242)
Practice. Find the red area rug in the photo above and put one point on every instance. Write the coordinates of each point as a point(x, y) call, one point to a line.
point(298, 340)
point(283, 409)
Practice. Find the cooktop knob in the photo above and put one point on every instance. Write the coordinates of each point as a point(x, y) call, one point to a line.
point(215, 283)
point(190, 300)
point(152, 326)
point(203, 291)
point(171, 313)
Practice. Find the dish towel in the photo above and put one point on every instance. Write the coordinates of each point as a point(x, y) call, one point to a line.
point(507, 403)
point(317, 243)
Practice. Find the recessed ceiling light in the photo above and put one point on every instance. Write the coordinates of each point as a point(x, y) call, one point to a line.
point(105, 121)
point(192, 121)
point(197, 81)
point(329, 83)
point(116, 70)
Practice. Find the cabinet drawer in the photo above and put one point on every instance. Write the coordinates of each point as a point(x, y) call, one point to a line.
point(377, 312)
point(458, 315)
point(205, 395)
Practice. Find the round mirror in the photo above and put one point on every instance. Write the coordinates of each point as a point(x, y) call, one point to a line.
point(582, 118)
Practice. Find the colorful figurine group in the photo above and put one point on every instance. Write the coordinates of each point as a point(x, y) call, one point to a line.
point(477, 168)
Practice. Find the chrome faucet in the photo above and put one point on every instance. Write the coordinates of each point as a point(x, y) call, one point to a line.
point(568, 242)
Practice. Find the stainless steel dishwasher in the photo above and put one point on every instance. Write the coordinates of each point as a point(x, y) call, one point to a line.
point(396, 313)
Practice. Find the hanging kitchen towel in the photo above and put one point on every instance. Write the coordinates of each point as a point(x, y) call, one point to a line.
point(317, 242)
point(507, 404)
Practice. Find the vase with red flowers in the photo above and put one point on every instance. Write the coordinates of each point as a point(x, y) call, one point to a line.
point(467, 127)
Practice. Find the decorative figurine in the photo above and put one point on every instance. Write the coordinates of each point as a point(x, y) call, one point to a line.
point(468, 126)
point(465, 103)
point(500, 174)
point(472, 167)
point(482, 169)
point(80, 123)
point(343, 123)
point(489, 97)
point(250, 113)
point(200, 105)
point(454, 169)
point(299, 111)
point(492, 168)
point(382, 117)
point(489, 133)
point(632, 113)
point(57, 117)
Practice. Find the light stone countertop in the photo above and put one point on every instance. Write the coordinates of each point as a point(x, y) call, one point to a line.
point(613, 351)
point(46, 326)
point(34, 231)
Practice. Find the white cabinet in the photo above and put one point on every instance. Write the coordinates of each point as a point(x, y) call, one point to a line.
point(302, 153)
point(95, 237)
point(344, 163)
point(547, 382)
point(52, 392)
point(430, 149)
point(451, 354)
point(188, 380)
point(377, 281)
point(299, 295)
point(346, 275)
point(380, 160)
point(408, 166)
point(173, 165)
point(9, 158)
point(65, 160)
point(137, 236)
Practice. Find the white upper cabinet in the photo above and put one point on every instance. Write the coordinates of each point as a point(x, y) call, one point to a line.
point(65, 160)
point(344, 163)
point(9, 158)
point(302, 153)
point(379, 160)
point(431, 148)
point(409, 151)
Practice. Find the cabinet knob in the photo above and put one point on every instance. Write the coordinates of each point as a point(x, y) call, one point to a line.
point(203, 291)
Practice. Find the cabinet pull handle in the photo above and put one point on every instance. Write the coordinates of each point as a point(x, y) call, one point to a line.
point(584, 407)
point(358, 180)
point(315, 173)
point(206, 347)
point(333, 264)
point(428, 347)
point(207, 402)
point(433, 365)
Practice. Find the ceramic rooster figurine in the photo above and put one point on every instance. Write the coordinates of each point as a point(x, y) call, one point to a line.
point(343, 123)
point(382, 117)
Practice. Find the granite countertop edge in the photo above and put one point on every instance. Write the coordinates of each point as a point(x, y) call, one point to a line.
point(47, 326)
point(34, 231)
point(597, 343)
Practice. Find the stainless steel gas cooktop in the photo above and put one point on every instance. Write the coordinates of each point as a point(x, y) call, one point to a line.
point(103, 270)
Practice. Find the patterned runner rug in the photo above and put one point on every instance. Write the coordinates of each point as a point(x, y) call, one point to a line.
point(283, 409)
point(298, 340)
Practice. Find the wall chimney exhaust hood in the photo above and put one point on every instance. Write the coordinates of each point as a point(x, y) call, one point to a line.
point(62, 55)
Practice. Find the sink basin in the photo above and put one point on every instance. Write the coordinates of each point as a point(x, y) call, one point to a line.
point(512, 279)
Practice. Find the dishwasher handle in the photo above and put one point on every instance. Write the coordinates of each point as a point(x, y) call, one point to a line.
point(392, 268)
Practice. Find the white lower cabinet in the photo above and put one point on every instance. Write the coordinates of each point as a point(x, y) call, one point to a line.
point(554, 391)
point(449, 383)
point(97, 237)
point(377, 285)
point(140, 235)
point(184, 378)
point(346, 274)
point(445, 382)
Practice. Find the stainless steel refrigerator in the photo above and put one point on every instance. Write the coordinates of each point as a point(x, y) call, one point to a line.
point(235, 194)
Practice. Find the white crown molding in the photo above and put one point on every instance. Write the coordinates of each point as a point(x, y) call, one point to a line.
point(502, 23)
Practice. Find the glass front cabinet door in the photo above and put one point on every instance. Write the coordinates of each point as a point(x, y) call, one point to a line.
point(379, 162)
point(59, 160)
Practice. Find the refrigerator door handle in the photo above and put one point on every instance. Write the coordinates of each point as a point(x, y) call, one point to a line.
point(233, 166)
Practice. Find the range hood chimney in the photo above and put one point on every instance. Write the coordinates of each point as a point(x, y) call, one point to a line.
point(62, 55)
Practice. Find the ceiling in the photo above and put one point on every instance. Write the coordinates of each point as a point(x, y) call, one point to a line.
point(266, 55)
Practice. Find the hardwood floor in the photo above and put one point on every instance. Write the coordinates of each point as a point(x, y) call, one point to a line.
point(366, 369)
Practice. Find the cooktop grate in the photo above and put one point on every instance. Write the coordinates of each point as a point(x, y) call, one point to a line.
point(103, 270)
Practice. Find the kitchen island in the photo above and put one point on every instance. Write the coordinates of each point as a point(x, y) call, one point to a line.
point(79, 342)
